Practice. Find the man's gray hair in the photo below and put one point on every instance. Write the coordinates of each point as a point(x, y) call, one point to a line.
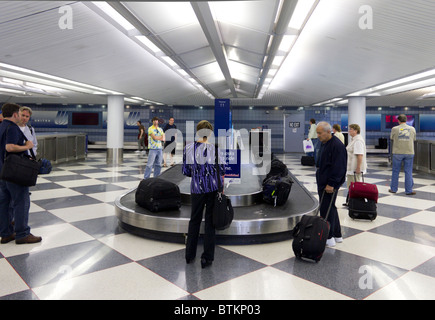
point(325, 125)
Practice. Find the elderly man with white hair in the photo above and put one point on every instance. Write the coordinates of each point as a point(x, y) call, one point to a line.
point(331, 174)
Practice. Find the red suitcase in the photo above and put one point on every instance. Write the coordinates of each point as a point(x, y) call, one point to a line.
point(363, 190)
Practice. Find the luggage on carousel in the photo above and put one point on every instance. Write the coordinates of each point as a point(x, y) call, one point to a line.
point(157, 194)
point(277, 168)
point(311, 233)
point(276, 189)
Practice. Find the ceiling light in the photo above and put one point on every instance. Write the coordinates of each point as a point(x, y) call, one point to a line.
point(147, 42)
point(427, 96)
point(169, 61)
point(400, 85)
point(286, 43)
point(300, 14)
point(112, 13)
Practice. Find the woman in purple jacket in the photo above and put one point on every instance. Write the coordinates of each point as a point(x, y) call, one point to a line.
point(199, 162)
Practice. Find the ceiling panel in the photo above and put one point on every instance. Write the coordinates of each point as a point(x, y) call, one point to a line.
point(332, 57)
point(198, 57)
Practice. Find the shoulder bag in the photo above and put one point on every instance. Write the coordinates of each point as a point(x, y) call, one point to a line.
point(19, 168)
point(223, 212)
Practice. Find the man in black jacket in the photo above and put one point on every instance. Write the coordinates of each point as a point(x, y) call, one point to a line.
point(331, 174)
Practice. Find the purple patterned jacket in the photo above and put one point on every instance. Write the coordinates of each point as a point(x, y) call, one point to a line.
point(202, 167)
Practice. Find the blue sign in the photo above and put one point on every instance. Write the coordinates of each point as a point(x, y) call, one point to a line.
point(232, 164)
point(222, 115)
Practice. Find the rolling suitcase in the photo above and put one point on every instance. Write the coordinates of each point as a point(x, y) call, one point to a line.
point(363, 190)
point(362, 208)
point(156, 194)
point(311, 233)
point(276, 190)
point(307, 161)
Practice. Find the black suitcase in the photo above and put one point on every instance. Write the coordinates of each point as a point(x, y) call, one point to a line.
point(311, 233)
point(362, 208)
point(307, 161)
point(276, 190)
point(156, 194)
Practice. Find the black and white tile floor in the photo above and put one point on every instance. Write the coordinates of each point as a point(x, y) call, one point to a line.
point(85, 255)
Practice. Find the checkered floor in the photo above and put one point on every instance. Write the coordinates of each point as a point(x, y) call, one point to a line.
point(85, 255)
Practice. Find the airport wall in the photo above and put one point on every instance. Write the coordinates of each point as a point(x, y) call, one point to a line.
point(92, 119)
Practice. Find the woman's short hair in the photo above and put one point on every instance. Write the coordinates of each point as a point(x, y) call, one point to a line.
point(355, 127)
point(204, 129)
point(337, 127)
point(204, 124)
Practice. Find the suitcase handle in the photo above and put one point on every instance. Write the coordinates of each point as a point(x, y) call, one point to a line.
point(334, 195)
point(362, 176)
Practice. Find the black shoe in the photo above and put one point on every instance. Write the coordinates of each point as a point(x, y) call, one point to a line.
point(189, 260)
point(205, 263)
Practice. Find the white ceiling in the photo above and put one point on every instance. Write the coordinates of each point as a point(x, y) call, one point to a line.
point(332, 57)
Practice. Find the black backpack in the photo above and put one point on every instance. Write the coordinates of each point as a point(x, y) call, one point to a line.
point(276, 189)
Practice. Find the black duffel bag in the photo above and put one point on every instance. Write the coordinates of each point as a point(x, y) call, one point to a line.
point(20, 169)
point(156, 194)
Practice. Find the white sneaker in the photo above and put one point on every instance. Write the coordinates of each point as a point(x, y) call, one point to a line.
point(137, 151)
point(330, 242)
point(338, 240)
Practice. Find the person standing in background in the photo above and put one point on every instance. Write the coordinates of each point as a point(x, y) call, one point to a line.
point(356, 158)
point(141, 138)
point(403, 137)
point(156, 137)
point(337, 132)
point(169, 145)
point(27, 129)
point(312, 135)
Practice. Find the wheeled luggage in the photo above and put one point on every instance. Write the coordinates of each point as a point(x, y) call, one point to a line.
point(362, 208)
point(307, 161)
point(276, 190)
point(311, 233)
point(363, 190)
point(156, 194)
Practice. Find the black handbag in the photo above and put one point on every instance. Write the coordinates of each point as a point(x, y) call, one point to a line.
point(19, 168)
point(223, 212)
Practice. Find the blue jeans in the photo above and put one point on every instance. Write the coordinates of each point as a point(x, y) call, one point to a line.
point(408, 161)
point(14, 205)
point(155, 158)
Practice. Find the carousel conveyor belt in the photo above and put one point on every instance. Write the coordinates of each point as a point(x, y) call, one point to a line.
point(254, 221)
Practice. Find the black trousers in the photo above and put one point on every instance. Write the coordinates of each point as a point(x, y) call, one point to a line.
point(334, 221)
point(199, 201)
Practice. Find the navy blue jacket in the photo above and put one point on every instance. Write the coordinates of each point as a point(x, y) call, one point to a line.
point(14, 136)
point(332, 164)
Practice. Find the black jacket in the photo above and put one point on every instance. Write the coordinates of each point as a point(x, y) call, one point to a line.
point(332, 164)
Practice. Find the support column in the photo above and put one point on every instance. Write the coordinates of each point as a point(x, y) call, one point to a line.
point(357, 113)
point(115, 129)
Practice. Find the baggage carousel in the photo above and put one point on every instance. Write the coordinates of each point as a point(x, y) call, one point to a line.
point(254, 221)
